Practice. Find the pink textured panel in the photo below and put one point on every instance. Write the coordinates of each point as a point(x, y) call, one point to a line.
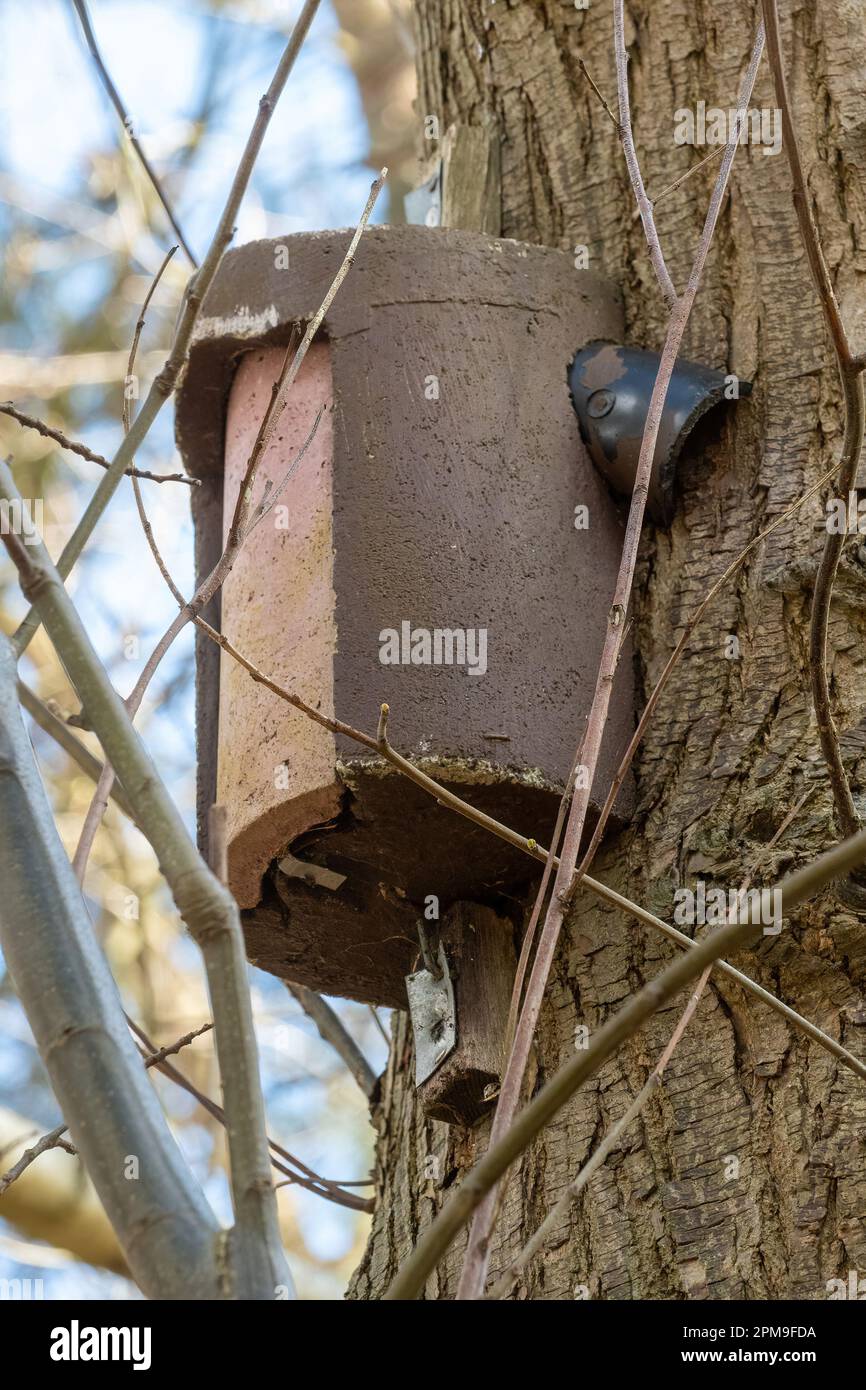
point(276, 767)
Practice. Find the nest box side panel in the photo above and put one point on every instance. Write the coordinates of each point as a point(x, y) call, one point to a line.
point(276, 766)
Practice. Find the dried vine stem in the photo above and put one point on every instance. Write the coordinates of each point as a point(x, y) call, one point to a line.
point(164, 383)
point(850, 369)
point(207, 908)
point(734, 936)
point(449, 799)
point(478, 1250)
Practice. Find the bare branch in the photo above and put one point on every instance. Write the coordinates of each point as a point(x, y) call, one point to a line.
point(448, 798)
point(125, 121)
point(257, 1258)
point(676, 654)
point(162, 1221)
point(55, 1140)
point(559, 1210)
point(304, 1177)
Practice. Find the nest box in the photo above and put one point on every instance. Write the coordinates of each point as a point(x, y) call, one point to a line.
point(431, 550)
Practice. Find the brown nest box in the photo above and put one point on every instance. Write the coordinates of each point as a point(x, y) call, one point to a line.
point(424, 553)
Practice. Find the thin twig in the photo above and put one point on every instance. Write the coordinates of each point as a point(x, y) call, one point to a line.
point(669, 188)
point(55, 1140)
point(447, 798)
point(48, 432)
point(588, 75)
point(850, 370)
point(117, 103)
point(63, 736)
point(478, 1249)
point(305, 1177)
point(645, 207)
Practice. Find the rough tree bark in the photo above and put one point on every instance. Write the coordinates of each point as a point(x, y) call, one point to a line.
point(733, 745)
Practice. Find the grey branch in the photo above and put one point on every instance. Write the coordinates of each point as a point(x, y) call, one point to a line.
point(332, 1031)
point(162, 1220)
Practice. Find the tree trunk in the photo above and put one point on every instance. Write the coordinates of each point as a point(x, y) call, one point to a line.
point(744, 1176)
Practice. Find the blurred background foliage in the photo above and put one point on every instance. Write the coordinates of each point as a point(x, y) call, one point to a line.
point(82, 234)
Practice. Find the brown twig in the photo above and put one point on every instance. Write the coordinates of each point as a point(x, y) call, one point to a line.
point(669, 188)
point(850, 369)
point(447, 798)
point(478, 1249)
point(304, 1177)
point(587, 74)
point(117, 103)
point(626, 135)
point(48, 432)
point(54, 1139)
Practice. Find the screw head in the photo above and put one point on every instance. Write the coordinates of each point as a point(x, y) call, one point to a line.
point(600, 403)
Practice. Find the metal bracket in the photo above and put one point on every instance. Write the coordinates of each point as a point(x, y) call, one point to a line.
point(434, 1017)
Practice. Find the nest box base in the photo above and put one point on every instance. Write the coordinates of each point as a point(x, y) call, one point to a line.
point(353, 930)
